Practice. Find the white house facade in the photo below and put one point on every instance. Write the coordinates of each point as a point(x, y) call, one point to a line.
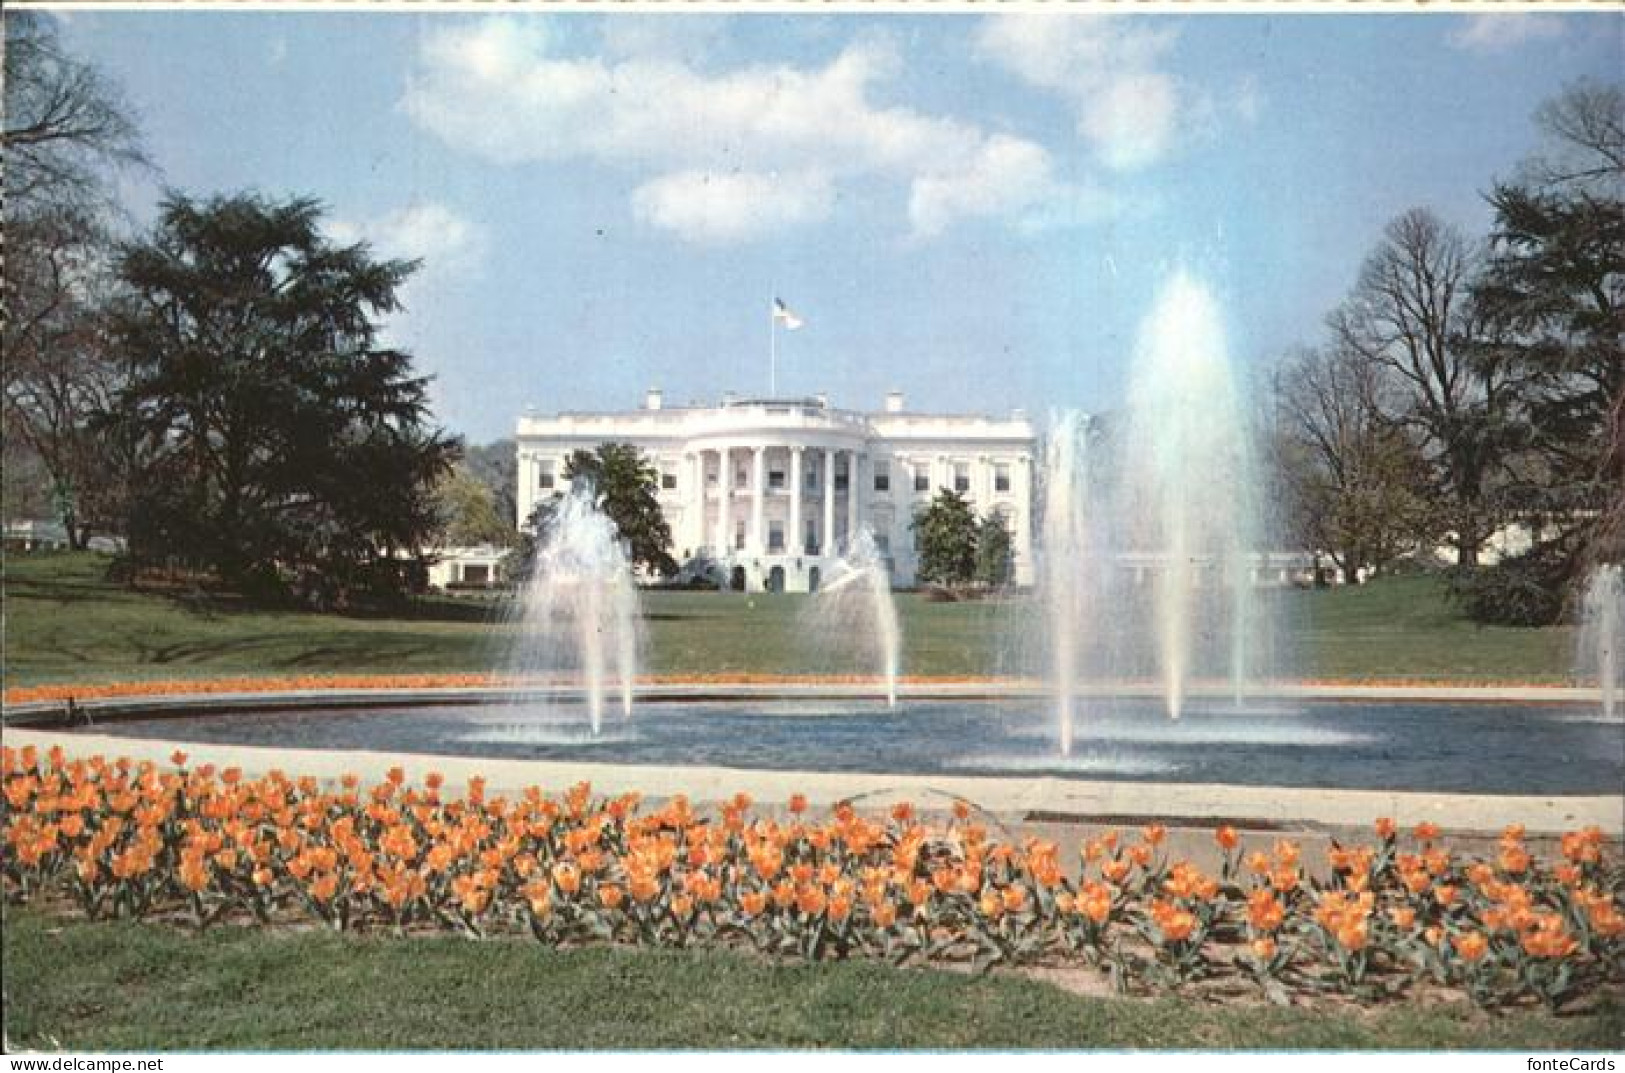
point(767, 494)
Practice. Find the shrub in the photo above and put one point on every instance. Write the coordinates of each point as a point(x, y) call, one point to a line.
point(1523, 590)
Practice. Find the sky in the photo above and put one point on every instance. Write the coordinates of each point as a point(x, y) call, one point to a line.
point(975, 209)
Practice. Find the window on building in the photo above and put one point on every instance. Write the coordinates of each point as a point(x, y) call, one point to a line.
point(812, 479)
point(882, 475)
point(922, 477)
point(1001, 476)
point(841, 479)
point(544, 471)
point(668, 479)
point(741, 477)
point(809, 543)
point(775, 535)
point(880, 526)
point(739, 535)
point(775, 479)
point(961, 476)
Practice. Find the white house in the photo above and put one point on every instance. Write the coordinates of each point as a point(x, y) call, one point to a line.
point(768, 493)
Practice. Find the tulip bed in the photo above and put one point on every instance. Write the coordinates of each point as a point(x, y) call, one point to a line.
point(1398, 913)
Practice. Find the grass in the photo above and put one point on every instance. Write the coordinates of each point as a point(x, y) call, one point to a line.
point(67, 623)
point(140, 987)
point(1406, 627)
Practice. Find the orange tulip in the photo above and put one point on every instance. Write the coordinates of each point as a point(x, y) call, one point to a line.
point(811, 900)
point(1470, 945)
point(567, 876)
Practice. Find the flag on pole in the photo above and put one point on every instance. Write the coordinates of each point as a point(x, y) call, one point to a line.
point(783, 315)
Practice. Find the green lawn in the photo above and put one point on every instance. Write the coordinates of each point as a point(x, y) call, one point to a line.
point(1405, 627)
point(137, 987)
point(66, 623)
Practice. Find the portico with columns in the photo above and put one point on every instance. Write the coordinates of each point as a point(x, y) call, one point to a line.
point(768, 494)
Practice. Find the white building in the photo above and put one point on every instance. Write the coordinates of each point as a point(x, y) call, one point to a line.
point(477, 567)
point(768, 493)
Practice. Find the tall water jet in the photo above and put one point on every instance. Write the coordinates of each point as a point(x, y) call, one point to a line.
point(853, 612)
point(577, 619)
point(1065, 554)
point(1602, 633)
point(1188, 492)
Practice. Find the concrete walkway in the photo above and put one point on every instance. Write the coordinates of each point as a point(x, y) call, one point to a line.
point(1012, 799)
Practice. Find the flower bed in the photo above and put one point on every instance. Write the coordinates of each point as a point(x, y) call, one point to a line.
point(1397, 913)
point(177, 687)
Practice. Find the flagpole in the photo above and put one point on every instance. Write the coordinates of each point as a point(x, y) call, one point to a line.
point(772, 351)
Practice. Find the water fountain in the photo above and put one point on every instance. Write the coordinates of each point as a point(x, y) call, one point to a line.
point(1066, 543)
point(1189, 487)
point(853, 610)
point(577, 619)
point(1602, 633)
point(1179, 516)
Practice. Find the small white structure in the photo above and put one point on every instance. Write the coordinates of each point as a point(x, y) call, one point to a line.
point(767, 494)
point(466, 568)
point(37, 534)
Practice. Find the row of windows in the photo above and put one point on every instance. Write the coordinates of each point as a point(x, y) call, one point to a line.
point(809, 544)
point(547, 479)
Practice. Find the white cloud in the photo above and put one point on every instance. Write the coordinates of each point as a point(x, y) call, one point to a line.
point(444, 240)
point(451, 248)
point(728, 156)
point(707, 207)
point(1130, 109)
point(1491, 34)
point(1008, 177)
point(687, 34)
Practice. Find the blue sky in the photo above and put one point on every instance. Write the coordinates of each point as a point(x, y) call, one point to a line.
point(974, 209)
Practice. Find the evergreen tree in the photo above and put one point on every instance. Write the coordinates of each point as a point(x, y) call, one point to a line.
point(946, 534)
point(627, 484)
point(280, 442)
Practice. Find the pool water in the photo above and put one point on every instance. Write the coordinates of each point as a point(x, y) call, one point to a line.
point(1446, 747)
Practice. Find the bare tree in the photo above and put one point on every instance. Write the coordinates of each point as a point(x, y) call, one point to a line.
point(64, 126)
point(1354, 478)
point(60, 372)
point(1410, 317)
point(1585, 130)
point(65, 123)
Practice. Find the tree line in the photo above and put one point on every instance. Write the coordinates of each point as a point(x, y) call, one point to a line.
point(1464, 387)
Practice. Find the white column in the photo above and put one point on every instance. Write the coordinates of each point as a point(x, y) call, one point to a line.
point(826, 539)
point(1021, 488)
point(758, 496)
point(795, 541)
point(527, 487)
point(724, 482)
point(851, 497)
point(691, 489)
